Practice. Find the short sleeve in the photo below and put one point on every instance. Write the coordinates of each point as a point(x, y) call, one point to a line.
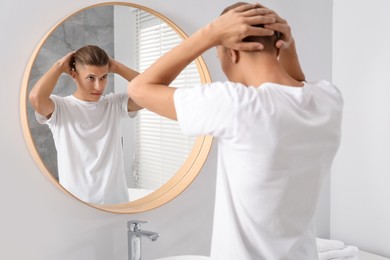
point(206, 110)
point(132, 114)
point(52, 119)
point(123, 100)
point(41, 119)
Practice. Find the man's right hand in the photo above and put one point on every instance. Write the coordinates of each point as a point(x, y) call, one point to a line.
point(232, 27)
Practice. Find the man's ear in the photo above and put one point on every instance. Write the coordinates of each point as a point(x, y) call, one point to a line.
point(234, 56)
point(73, 74)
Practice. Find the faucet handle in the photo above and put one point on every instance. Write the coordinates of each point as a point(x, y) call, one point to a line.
point(135, 225)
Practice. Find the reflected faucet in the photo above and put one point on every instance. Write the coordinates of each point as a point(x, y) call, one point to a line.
point(134, 237)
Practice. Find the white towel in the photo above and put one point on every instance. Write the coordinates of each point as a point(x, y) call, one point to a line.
point(348, 252)
point(324, 245)
point(346, 258)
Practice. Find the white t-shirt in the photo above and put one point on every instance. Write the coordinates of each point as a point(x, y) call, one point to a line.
point(87, 137)
point(275, 146)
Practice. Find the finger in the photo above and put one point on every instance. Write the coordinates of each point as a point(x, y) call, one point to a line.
point(248, 46)
point(257, 11)
point(279, 27)
point(259, 5)
point(284, 30)
point(255, 20)
point(280, 44)
point(258, 31)
point(277, 17)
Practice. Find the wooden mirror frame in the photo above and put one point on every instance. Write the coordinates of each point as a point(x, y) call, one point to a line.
point(176, 185)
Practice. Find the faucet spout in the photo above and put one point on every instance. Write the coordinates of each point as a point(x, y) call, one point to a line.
point(153, 236)
point(135, 235)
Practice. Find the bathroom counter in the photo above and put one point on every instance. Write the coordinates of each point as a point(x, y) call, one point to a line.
point(369, 256)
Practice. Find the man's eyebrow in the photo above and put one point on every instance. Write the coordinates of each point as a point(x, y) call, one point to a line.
point(91, 74)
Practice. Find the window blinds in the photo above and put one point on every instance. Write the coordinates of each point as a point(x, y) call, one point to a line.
point(161, 148)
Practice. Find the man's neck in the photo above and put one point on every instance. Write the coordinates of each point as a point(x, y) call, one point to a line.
point(260, 68)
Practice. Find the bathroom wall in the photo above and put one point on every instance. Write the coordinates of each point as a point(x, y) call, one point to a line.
point(360, 191)
point(40, 222)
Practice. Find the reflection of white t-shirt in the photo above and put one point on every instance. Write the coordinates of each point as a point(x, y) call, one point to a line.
point(87, 137)
point(276, 144)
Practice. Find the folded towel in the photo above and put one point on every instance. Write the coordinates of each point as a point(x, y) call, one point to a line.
point(356, 257)
point(324, 245)
point(348, 252)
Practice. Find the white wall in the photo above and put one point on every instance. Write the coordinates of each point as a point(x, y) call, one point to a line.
point(39, 222)
point(360, 185)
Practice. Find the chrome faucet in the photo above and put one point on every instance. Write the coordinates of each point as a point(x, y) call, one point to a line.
point(134, 237)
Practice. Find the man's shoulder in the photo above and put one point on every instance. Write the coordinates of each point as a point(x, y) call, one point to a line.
point(328, 87)
point(115, 97)
point(60, 99)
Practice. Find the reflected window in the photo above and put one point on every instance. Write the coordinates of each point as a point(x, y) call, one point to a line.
point(160, 148)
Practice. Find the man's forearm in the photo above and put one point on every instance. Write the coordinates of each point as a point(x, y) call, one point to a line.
point(289, 60)
point(123, 70)
point(151, 90)
point(168, 67)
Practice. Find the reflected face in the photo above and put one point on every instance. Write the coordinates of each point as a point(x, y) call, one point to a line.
point(91, 82)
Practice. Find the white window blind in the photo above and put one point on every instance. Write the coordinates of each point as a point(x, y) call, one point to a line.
point(161, 148)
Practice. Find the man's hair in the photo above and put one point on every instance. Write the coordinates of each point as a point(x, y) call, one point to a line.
point(267, 41)
point(90, 55)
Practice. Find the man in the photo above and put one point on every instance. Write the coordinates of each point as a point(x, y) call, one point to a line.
point(86, 125)
point(276, 135)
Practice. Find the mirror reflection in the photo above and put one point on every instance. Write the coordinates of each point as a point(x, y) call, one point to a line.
point(152, 147)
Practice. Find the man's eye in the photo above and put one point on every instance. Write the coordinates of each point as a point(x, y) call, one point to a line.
point(90, 78)
point(104, 77)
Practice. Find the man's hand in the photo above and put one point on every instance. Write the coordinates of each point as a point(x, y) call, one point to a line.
point(280, 25)
point(112, 65)
point(232, 27)
point(66, 63)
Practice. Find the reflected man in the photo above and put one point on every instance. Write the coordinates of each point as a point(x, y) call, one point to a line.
point(86, 125)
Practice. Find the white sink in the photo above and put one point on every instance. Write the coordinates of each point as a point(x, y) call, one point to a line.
point(185, 257)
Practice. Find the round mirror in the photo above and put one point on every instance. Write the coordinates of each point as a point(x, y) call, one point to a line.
point(159, 161)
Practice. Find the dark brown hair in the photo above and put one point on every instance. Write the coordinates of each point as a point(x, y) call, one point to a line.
point(267, 41)
point(90, 55)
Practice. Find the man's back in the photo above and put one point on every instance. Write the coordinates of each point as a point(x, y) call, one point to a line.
point(276, 144)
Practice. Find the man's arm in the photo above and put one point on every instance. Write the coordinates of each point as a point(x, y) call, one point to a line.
point(128, 74)
point(151, 88)
point(40, 94)
point(288, 56)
